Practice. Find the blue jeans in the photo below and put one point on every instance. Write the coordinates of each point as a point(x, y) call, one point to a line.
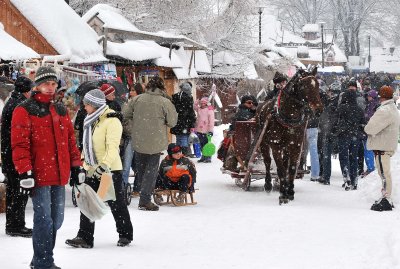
point(182, 140)
point(312, 137)
point(369, 157)
point(48, 216)
point(348, 157)
point(128, 157)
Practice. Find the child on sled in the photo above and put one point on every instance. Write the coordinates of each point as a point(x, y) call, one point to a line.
point(176, 172)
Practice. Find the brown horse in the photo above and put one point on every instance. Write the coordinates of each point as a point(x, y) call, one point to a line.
point(286, 118)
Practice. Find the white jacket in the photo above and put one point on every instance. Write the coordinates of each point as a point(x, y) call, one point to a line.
point(383, 128)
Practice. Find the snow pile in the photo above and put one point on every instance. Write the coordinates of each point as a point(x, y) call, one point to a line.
point(11, 49)
point(66, 32)
point(310, 28)
point(139, 50)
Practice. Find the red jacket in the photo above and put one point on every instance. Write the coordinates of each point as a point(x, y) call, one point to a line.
point(42, 140)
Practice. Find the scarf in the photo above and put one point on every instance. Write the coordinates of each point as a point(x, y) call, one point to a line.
point(90, 157)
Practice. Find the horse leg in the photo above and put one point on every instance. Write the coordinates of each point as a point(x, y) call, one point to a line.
point(267, 162)
point(281, 170)
point(293, 165)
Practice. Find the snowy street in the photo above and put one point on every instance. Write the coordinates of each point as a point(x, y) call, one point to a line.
point(324, 227)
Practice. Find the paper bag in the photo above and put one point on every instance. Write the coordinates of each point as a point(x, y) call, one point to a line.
point(106, 189)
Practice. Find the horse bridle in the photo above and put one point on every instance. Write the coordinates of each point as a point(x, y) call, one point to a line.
point(305, 109)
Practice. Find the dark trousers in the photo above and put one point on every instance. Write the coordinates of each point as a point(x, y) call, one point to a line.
point(167, 184)
point(16, 203)
point(147, 172)
point(119, 209)
point(360, 163)
point(348, 157)
point(326, 159)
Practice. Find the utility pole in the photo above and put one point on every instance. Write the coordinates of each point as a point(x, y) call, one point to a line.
point(369, 53)
point(259, 25)
point(322, 45)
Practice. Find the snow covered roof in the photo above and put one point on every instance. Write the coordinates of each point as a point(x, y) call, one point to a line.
point(183, 72)
point(314, 54)
point(111, 17)
point(138, 50)
point(310, 28)
point(383, 61)
point(65, 31)
point(201, 63)
point(332, 69)
point(12, 49)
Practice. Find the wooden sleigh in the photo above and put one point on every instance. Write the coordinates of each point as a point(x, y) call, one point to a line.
point(170, 197)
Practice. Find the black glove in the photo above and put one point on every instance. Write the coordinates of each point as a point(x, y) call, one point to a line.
point(210, 133)
point(100, 169)
point(77, 176)
point(26, 183)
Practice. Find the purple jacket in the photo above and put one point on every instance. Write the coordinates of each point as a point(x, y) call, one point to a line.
point(371, 108)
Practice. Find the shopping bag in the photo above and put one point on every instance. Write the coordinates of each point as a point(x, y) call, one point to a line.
point(89, 203)
point(106, 189)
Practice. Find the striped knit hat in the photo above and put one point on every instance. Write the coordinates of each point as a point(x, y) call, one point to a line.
point(95, 98)
point(45, 73)
point(107, 89)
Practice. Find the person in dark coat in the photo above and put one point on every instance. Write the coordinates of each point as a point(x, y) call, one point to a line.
point(183, 102)
point(246, 110)
point(16, 201)
point(280, 81)
point(349, 130)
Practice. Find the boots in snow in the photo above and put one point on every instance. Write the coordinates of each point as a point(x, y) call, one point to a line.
point(382, 205)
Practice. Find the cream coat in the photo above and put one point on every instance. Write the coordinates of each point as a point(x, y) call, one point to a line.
point(383, 128)
point(106, 139)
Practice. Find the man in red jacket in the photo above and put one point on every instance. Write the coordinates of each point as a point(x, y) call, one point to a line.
point(45, 155)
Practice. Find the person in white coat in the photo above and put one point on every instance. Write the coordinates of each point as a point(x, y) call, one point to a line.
point(383, 133)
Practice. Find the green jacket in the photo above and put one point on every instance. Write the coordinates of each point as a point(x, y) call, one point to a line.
point(150, 114)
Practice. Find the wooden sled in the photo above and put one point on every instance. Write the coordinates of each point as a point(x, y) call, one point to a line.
point(167, 197)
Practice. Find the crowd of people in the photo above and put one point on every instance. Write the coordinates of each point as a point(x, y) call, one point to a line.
point(44, 149)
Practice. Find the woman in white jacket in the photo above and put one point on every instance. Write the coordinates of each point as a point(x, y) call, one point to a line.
point(383, 132)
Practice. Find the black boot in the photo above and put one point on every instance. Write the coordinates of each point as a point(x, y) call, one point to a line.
point(382, 205)
point(78, 242)
point(22, 232)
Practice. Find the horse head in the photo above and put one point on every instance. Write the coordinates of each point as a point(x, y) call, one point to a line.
point(307, 87)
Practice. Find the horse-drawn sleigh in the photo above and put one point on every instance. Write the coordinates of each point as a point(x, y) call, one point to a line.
point(279, 129)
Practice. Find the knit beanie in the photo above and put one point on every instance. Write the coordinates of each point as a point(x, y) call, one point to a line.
point(204, 100)
point(107, 89)
point(186, 88)
point(352, 83)
point(373, 94)
point(23, 84)
point(95, 98)
point(245, 98)
point(45, 73)
point(386, 92)
point(173, 148)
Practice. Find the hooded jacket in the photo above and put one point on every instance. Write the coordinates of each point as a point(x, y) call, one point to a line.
point(205, 118)
point(186, 117)
point(43, 140)
point(383, 127)
point(150, 114)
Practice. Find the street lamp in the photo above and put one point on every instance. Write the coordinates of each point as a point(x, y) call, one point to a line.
point(369, 53)
point(259, 24)
point(322, 43)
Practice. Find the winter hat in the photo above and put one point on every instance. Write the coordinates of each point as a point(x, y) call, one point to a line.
point(23, 84)
point(352, 83)
point(173, 148)
point(107, 89)
point(373, 94)
point(386, 92)
point(45, 73)
point(204, 100)
point(186, 88)
point(279, 77)
point(95, 98)
point(245, 98)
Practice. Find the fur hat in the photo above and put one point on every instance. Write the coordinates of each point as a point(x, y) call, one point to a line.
point(279, 77)
point(23, 84)
point(107, 89)
point(173, 148)
point(186, 88)
point(45, 73)
point(386, 92)
point(95, 98)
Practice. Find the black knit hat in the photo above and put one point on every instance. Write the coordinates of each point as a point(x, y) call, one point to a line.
point(352, 83)
point(45, 73)
point(173, 148)
point(279, 77)
point(245, 98)
point(23, 84)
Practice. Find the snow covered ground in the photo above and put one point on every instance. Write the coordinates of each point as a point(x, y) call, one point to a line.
point(324, 227)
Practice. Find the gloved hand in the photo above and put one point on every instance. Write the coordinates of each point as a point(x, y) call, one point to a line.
point(100, 169)
point(77, 176)
point(26, 183)
point(210, 133)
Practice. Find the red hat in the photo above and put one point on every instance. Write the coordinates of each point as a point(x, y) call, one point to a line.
point(386, 92)
point(107, 89)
